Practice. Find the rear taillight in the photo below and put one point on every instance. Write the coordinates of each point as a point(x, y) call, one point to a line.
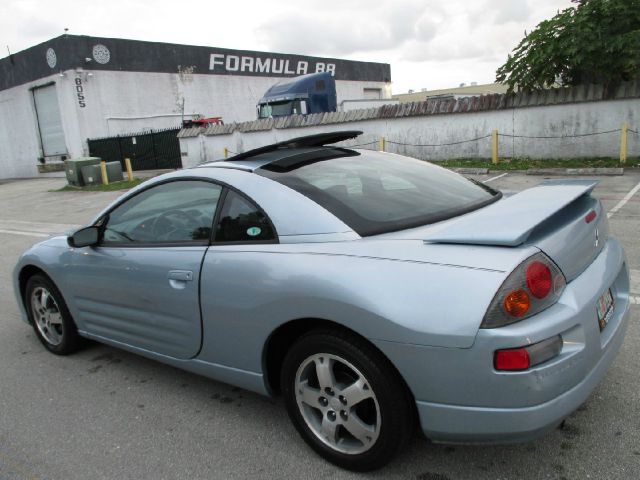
point(534, 285)
point(523, 358)
point(539, 279)
point(517, 303)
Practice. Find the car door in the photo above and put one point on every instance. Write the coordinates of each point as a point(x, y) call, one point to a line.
point(236, 283)
point(140, 285)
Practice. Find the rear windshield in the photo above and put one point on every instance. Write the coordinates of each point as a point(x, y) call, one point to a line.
point(377, 193)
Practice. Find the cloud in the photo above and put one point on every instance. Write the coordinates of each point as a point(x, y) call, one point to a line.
point(341, 37)
point(348, 30)
point(427, 42)
point(511, 11)
point(443, 51)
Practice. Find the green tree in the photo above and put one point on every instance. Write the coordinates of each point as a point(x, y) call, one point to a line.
point(596, 41)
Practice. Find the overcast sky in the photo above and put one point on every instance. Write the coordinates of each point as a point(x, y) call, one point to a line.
point(429, 44)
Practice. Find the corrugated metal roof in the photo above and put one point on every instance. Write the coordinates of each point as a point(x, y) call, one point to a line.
point(472, 90)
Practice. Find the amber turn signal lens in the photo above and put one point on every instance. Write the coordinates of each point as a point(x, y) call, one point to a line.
point(517, 303)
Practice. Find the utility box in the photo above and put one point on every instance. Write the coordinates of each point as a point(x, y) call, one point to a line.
point(114, 172)
point(72, 168)
point(91, 174)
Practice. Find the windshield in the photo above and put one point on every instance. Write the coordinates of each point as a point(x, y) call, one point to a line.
point(279, 109)
point(376, 193)
point(275, 109)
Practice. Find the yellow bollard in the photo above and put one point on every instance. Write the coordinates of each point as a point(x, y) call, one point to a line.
point(624, 142)
point(382, 142)
point(127, 164)
point(226, 152)
point(494, 147)
point(103, 172)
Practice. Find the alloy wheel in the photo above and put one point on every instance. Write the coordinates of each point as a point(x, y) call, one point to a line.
point(337, 403)
point(47, 316)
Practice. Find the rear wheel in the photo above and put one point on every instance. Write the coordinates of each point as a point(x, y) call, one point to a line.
point(346, 400)
point(50, 317)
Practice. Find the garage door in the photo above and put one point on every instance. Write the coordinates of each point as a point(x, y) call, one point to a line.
point(49, 121)
point(372, 93)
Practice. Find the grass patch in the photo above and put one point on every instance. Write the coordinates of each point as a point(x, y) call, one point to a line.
point(523, 163)
point(112, 187)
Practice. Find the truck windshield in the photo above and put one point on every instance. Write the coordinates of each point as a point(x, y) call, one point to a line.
point(280, 109)
point(377, 193)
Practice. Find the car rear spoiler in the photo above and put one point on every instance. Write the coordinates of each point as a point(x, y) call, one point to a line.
point(509, 222)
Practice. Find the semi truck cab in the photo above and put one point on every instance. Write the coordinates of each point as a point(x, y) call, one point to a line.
point(312, 93)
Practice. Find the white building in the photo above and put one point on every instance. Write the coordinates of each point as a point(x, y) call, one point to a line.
point(56, 95)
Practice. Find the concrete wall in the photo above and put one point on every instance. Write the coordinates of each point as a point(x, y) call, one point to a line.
point(348, 105)
point(569, 120)
point(436, 125)
point(107, 103)
point(154, 100)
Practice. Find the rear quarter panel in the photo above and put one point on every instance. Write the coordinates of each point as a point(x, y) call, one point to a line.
point(248, 291)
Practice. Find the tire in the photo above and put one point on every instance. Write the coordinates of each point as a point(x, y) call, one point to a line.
point(346, 400)
point(50, 316)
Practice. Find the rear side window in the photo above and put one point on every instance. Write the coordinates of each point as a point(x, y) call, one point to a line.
point(242, 221)
point(376, 193)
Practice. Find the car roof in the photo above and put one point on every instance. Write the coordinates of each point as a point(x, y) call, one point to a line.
point(289, 152)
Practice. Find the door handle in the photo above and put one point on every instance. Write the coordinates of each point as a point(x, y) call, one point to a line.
point(180, 275)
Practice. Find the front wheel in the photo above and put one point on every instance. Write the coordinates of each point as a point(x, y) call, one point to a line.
point(50, 316)
point(346, 400)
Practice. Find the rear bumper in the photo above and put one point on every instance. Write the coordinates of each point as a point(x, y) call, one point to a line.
point(461, 398)
point(459, 424)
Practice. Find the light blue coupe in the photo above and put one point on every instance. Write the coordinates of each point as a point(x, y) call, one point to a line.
point(372, 291)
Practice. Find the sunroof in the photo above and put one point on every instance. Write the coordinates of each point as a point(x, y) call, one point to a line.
point(299, 159)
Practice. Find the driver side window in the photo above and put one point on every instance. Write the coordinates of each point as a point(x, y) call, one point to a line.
point(174, 212)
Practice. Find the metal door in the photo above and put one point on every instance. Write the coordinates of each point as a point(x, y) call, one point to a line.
point(146, 150)
point(143, 297)
point(49, 121)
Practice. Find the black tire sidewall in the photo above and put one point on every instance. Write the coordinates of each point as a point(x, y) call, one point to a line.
point(70, 338)
point(389, 390)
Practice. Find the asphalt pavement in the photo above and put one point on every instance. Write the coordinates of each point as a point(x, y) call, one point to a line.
point(105, 413)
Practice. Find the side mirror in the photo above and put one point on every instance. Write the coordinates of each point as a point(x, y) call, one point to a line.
point(85, 237)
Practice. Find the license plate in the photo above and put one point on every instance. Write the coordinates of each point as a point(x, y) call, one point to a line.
point(605, 309)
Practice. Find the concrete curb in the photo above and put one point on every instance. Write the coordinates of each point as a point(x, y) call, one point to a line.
point(470, 171)
point(543, 171)
point(575, 171)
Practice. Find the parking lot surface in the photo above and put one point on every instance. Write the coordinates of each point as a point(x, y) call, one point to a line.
point(106, 413)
